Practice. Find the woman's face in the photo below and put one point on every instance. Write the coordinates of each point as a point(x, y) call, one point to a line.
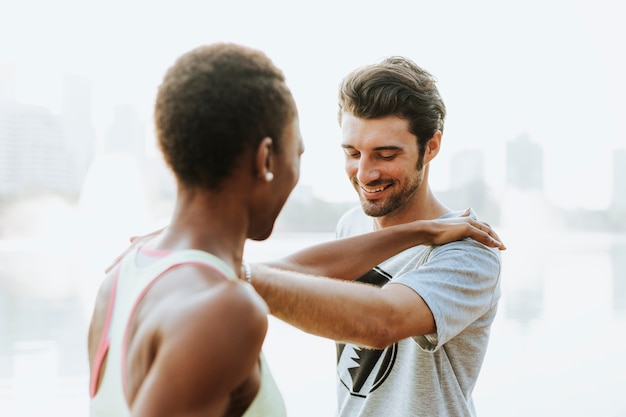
point(285, 167)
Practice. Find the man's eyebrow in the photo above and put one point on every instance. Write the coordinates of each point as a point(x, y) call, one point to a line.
point(378, 148)
point(389, 148)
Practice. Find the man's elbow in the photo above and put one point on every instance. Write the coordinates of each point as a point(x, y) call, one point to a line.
point(378, 336)
point(383, 334)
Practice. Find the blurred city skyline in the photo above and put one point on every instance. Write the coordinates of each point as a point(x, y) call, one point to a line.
point(546, 70)
point(45, 153)
point(535, 139)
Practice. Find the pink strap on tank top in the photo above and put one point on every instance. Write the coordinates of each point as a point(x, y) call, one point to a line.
point(105, 339)
point(140, 297)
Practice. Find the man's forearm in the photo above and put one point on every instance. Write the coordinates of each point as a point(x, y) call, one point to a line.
point(318, 305)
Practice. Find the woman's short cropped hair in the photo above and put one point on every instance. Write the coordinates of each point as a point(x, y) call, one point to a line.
point(215, 102)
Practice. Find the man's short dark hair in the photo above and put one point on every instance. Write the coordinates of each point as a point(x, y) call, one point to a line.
point(396, 86)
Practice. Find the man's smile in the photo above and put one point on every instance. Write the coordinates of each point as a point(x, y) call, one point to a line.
point(373, 190)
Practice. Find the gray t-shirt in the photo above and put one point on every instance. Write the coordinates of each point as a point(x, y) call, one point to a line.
point(435, 374)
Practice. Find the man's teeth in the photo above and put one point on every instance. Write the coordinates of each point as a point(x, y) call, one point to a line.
point(373, 190)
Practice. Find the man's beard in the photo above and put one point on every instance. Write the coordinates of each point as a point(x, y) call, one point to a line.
point(395, 201)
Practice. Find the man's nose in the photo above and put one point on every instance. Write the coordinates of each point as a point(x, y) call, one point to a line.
point(367, 171)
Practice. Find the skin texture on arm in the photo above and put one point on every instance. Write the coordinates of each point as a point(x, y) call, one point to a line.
point(179, 329)
point(348, 258)
point(351, 312)
point(375, 317)
point(204, 364)
point(299, 289)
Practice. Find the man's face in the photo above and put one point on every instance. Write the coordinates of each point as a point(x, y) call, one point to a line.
point(381, 162)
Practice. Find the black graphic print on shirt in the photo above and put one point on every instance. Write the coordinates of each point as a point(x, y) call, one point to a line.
point(363, 370)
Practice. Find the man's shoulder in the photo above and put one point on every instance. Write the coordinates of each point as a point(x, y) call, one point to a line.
point(467, 254)
point(470, 247)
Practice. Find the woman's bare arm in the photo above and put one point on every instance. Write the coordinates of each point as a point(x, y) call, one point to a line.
point(348, 258)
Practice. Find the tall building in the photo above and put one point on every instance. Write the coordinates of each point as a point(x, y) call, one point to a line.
point(618, 261)
point(76, 116)
point(126, 134)
point(524, 164)
point(40, 151)
point(525, 208)
point(619, 180)
point(7, 83)
point(468, 187)
point(33, 155)
point(467, 167)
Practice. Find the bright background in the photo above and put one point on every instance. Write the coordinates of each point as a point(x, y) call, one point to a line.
point(550, 69)
point(553, 70)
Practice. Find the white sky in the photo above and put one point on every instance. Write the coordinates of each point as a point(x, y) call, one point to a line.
point(551, 69)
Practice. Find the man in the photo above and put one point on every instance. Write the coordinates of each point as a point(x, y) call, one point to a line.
point(412, 332)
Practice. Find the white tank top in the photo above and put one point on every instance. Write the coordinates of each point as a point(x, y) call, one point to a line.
point(131, 283)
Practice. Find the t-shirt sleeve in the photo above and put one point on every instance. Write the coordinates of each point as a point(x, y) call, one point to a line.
point(459, 283)
point(353, 222)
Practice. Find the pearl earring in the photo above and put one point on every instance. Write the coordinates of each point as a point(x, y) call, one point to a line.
point(269, 176)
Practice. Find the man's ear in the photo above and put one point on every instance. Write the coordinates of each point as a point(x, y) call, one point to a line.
point(263, 160)
point(432, 147)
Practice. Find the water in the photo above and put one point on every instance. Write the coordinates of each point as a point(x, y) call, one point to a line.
point(557, 347)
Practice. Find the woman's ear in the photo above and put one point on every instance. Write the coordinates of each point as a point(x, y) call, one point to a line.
point(432, 147)
point(263, 161)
